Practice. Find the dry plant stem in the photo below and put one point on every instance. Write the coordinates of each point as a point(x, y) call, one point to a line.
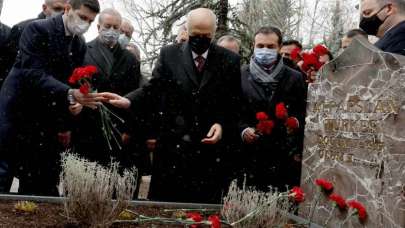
point(349, 215)
point(190, 210)
point(330, 216)
point(313, 207)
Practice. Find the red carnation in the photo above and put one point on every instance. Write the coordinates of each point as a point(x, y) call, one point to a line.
point(296, 54)
point(339, 201)
point(297, 194)
point(292, 124)
point(360, 209)
point(215, 221)
point(265, 127)
point(320, 50)
point(85, 88)
point(325, 185)
point(310, 62)
point(196, 217)
point(261, 116)
point(281, 111)
point(90, 70)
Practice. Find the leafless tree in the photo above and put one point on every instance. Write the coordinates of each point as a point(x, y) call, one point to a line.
point(1, 6)
point(156, 21)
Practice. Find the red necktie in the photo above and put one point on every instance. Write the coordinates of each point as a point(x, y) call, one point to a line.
point(200, 63)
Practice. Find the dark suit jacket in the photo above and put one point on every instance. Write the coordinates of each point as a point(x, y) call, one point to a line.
point(4, 57)
point(11, 45)
point(122, 77)
point(394, 40)
point(185, 110)
point(268, 160)
point(34, 95)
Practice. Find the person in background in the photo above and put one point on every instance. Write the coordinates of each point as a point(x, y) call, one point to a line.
point(229, 42)
point(288, 46)
point(182, 34)
point(49, 8)
point(386, 20)
point(348, 37)
point(194, 92)
point(272, 124)
point(118, 71)
point(4, 57)
point(35, 98)
point(126, 30)
point(134, 50)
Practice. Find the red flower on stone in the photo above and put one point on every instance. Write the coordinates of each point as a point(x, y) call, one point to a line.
point(265, 127)
point(196, 217)
point(320, 50)
point(261, 116)
point(297, 194)
point(360, 209)
point(296, 54)
point(292, 124)
point(339, 201)
point(215, 221)
point(325, 185)
point(281, 111)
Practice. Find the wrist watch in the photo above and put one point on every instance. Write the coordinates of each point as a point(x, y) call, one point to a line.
point(70, 97)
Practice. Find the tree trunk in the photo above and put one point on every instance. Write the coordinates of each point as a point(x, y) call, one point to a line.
point(1, 6)
point(222, 18)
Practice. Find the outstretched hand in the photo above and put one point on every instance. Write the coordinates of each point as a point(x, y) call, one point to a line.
point(116, 100)
point(91, 100)
point(214, 135)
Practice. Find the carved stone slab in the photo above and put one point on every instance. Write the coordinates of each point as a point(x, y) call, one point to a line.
point(355, 136)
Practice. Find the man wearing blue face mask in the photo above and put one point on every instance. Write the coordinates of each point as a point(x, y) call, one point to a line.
point(118, 72)
point(35, 97)
point(270, 157)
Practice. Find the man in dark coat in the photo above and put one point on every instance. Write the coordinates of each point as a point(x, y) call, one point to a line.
point(34, 97)
point(49, 8)
point(386, 20)
point(118, 72)
point(271, 157)
point(195, 88)
point(4, 57)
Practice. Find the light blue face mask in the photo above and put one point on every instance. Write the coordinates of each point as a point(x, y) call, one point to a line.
point(265, 56)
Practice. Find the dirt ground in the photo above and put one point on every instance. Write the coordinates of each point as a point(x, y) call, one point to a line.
point(51, 215)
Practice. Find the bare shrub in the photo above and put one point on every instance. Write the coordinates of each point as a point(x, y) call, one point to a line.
point(89, 189)
point(261, 209)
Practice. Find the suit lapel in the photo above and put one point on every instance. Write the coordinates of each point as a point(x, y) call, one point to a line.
point(188, 64)
point(96, 58)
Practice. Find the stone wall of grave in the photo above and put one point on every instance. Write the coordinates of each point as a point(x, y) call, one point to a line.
point(355, 136)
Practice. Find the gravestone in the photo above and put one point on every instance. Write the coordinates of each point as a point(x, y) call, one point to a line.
point(355, 136)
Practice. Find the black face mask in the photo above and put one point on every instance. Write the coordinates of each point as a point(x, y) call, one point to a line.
point(199, 44)
point(371, 24)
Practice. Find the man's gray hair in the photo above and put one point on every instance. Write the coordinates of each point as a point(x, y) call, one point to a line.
point(111, 12)
point(399, 3)
point(49, 2)
point(228, 38)
point(210, 12)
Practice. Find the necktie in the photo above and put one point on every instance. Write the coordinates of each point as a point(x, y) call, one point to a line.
point(200, 63)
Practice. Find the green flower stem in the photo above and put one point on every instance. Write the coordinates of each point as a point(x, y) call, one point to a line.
point(349, 215)
point(330, 215)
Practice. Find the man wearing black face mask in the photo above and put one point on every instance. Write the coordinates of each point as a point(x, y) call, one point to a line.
point(193, 96)
point(386, 20)
point(118, 72)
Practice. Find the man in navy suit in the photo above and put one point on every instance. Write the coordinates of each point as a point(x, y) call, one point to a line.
point(386, 20)
point(35, 98)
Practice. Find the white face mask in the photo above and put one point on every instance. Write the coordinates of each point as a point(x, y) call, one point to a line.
point(75, 24)
point(124, 40)
point(109, 36)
